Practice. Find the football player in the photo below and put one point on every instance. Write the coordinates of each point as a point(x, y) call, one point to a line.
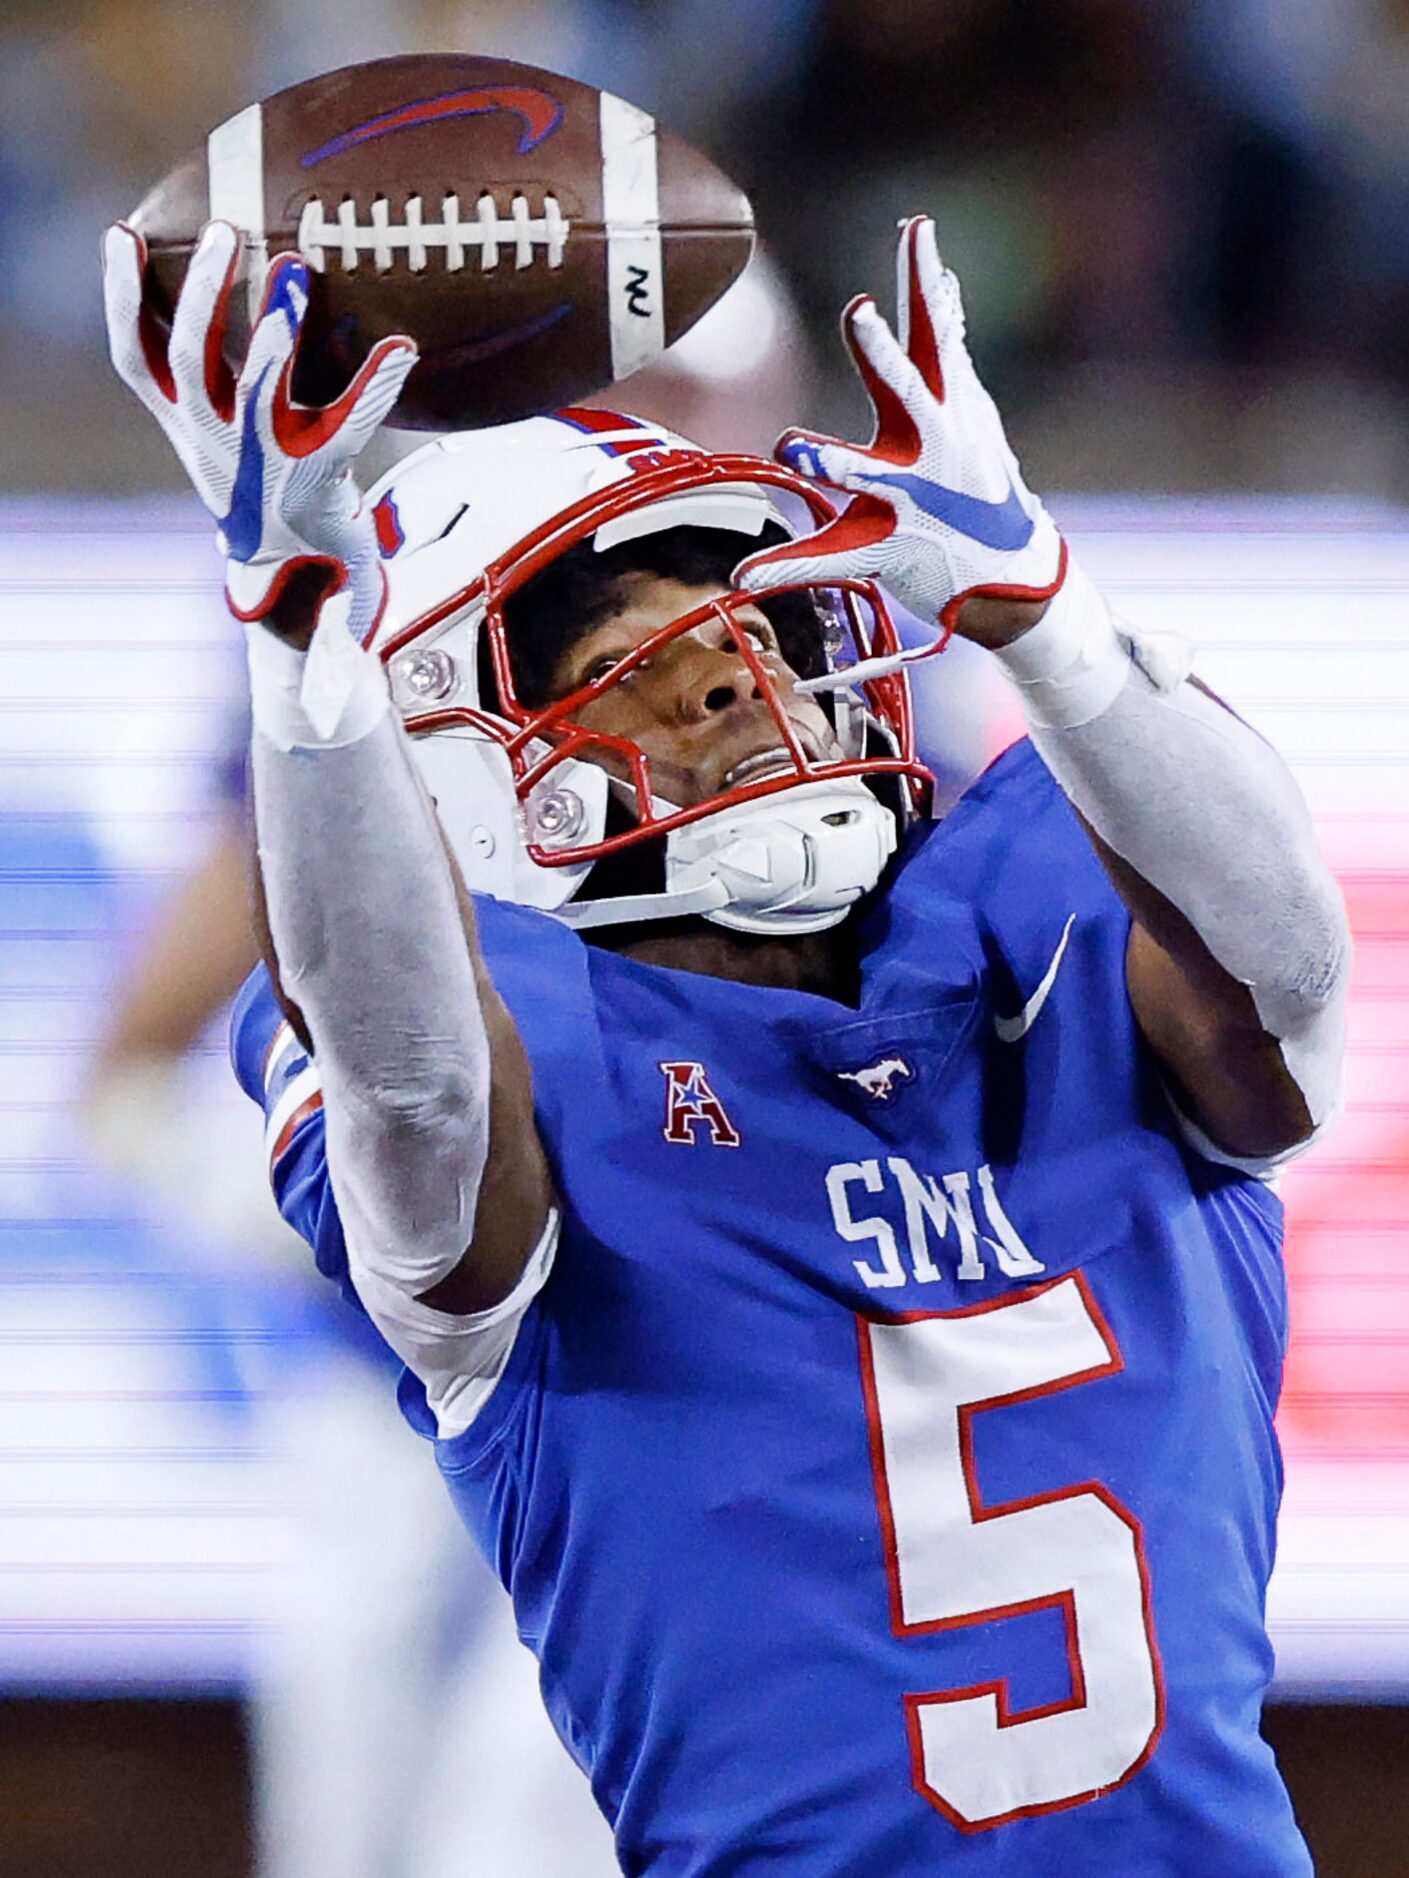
point(830, 1248)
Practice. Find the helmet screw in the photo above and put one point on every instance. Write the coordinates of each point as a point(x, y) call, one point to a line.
point(481, 844)
point(559, 817)
point(424, 677)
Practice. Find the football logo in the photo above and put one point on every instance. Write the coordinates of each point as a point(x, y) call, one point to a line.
point(690, 1103)
point(881, 1079)
point(539, 115)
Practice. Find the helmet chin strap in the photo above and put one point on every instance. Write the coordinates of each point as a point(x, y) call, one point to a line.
point(786, 864)
point(622, 909)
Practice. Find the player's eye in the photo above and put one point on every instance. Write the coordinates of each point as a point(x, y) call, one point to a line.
point(759, 637)
point(606, 662)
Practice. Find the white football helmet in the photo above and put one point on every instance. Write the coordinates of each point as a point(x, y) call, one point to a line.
point(532, 801)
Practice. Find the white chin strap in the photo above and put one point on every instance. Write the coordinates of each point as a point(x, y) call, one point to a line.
point(791, 863)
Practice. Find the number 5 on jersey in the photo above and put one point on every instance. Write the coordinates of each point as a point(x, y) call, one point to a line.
point(954, 1561)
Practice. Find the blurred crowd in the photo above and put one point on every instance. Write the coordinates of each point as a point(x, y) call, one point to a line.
point(1180, 223)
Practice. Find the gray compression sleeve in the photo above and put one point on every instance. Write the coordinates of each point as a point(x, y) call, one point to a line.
point(368, 934)
point(1203, 809)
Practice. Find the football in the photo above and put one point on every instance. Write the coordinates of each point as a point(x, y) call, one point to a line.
point(537, 238)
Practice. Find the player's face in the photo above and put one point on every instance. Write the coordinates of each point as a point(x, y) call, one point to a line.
point(694, 706)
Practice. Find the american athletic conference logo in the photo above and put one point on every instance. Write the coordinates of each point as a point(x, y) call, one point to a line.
point(691, 1103)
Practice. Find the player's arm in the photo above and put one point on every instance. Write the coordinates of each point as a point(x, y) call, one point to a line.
point(1239, 954)
point(440, 1177)
point(440, 1173)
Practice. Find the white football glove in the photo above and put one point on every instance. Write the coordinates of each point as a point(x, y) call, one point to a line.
point(276, 476)
point(940, 511)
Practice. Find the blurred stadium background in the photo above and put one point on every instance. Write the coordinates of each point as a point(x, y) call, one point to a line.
point(1183, 230)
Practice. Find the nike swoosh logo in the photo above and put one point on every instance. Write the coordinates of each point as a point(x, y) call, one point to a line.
point(243, 526)
point(1010, 1029)
point(538, 112)
point(1004, 525)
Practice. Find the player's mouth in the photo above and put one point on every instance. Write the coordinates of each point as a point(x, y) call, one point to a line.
point(777, 760)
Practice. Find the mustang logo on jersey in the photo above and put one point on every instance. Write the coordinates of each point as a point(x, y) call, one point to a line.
point(690, 1103)
point(880, 1080)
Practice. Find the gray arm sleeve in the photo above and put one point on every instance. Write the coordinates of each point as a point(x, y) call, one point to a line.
point(368, 934)
point(1204, 810)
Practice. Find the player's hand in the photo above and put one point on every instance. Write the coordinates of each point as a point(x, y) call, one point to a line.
point(276, 476)
point(939, 512)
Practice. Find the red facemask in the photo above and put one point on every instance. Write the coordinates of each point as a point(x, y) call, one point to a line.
point(538, 741)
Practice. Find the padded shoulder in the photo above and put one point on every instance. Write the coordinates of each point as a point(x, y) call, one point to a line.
point(1014, 852)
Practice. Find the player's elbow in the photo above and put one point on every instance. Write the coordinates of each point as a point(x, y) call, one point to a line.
point(433, 1108)
point(410, 1154)
point(417, 1137)
point(1312, 974)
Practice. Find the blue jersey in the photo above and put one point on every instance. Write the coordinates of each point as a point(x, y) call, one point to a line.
point(885, 1476)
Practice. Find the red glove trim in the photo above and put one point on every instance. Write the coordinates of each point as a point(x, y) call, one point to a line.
point(275, 590)
point(299, 432)
point(897, 439)
point(219, 379)
point(949, 612)
point(922, 346)
point(866, 521)
point(151, 333)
